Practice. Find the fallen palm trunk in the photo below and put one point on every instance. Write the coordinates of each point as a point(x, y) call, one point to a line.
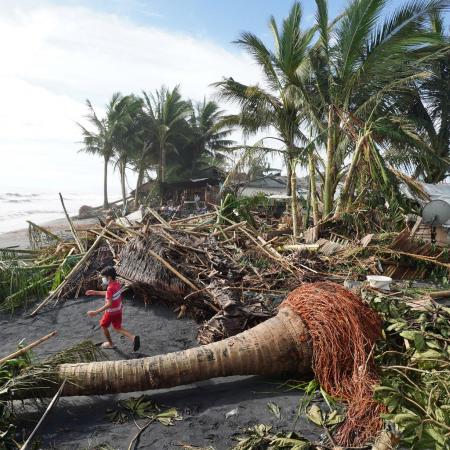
point(280, 345)
point(323, 317)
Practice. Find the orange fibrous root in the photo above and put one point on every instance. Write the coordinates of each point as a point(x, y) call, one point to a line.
point(343, 330)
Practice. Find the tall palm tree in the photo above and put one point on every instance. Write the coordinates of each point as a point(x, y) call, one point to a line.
point(126, 137)
point(274, 105)
point(167, 115)
point(100, 140)
point(428, 108)
point(209, 135)
point(357, 69)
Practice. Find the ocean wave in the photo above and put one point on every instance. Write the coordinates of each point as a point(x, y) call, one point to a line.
point(23, 200)
point(14, 215)
point(16, 194)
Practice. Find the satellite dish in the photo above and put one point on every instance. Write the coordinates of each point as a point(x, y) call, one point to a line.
point(436, 212)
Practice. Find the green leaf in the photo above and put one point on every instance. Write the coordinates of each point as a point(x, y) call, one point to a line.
point(419, 342)
point(315, 415)
point(434, 345)
point(436, 434)
point(281, 442)
point(334, 418)
point(274, 409)
point(397, 326)
point(406, 419)
point(410, 335)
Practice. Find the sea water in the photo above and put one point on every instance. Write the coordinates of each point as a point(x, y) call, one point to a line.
point(17, 206)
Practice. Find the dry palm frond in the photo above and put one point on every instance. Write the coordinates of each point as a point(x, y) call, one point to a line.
point(41, 376)
point(414, 185)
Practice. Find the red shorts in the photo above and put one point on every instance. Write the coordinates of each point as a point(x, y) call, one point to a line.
point(114, 319)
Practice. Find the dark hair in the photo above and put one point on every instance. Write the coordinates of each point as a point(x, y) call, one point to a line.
point(109, 271)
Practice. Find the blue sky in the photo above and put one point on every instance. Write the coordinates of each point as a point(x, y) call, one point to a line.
point(57, 53)
point(219, 21)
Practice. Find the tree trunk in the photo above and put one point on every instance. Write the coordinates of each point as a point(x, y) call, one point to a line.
point(329, 167)
point(278, 346)
point(105, 183)
point(138, 185)
point(294, 200)
point(308, 208)
point(162, 163)
point(313, 188)
point(122, 168)
point(345, 193)
point(289, 175)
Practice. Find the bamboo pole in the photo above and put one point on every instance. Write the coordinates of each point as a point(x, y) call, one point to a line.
point(72, 228)
point(188, 219)
point(49, 407)
point(439, 294)
point(74, 270)
point(18, 250)
point(229, 228)
point(173, 270)
point(28, 347)
point(158, 217)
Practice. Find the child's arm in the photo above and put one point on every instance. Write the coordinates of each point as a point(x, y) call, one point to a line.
point(95, 293)
point(108, 304)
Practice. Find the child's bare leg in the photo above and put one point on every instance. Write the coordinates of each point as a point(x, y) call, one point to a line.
point(135, 339)
point(107, 336)
point(125, 333)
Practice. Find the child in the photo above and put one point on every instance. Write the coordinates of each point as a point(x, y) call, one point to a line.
point(112, 310)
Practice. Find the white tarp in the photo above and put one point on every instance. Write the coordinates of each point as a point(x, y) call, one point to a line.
point(438, 191)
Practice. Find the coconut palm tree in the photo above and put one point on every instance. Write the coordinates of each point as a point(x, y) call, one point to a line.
point(357, 69)
point(167, 114)
point(209, 136)
point(126, 138)
point(427, 106)
point(100, 141)
point(274, 105)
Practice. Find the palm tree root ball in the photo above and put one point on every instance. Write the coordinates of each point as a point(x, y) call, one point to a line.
point(320, 328)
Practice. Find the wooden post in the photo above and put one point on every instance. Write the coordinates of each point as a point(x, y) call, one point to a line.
point(72, 228)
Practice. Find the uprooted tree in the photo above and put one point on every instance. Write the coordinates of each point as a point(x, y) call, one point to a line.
point(319, 326)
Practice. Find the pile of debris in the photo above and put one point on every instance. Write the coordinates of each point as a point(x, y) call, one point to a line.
point(227, 274)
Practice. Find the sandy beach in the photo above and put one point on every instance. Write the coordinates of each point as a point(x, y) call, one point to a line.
point(59, 227)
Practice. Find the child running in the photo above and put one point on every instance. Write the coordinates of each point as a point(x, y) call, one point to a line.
point(112, 310)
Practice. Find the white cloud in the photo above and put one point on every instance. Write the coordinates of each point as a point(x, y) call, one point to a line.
point(53, 58)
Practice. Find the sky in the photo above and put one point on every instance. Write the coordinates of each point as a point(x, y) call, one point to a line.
point(57, 53)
